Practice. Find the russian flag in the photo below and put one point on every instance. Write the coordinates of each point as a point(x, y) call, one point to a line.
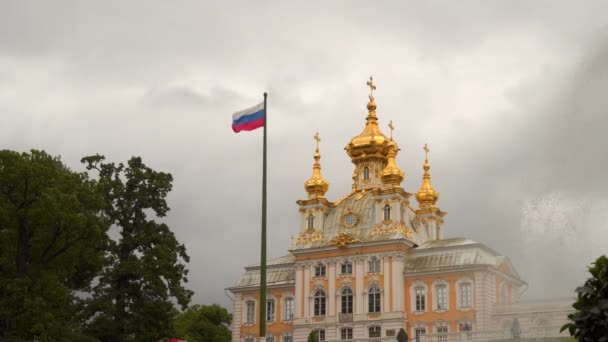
point(249, 119)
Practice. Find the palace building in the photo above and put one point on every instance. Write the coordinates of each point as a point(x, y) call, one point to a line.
point(376, 261)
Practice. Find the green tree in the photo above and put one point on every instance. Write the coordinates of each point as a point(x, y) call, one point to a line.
point(312, 337)
point(52, 237)
point(145, 269)
point(204, 323)
point(590, 321)
point(402, 335)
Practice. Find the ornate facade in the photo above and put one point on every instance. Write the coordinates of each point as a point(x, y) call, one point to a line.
point(374, 262)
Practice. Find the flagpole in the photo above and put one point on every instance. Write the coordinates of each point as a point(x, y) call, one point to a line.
point(263, 262)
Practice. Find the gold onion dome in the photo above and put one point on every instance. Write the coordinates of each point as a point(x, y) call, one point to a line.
point(316, 186)
point(426, 196)
point(391, 173)
point(371, 141)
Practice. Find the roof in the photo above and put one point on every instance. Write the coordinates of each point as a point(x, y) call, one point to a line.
point(435, 255)
point(280, 271)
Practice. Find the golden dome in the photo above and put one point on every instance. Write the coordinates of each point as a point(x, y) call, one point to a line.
point(391, 173)
point(427, 196)
point(316, 186)
point(371, 141)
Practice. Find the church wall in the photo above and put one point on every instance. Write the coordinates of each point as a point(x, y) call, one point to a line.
point(431, 316)
point(485, 298)
point(277, 328)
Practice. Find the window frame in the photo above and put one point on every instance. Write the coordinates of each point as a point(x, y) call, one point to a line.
point(417, 335)
point(320, 270)
point(374, 264)
point(346, 268)
point(419, 305)
point(462, 303)
point(377, 330)
point(386, 212)
point(288, 309)
point(346, 333)
point(271, 310)
point(441, 297)
point(320, 303)
point(374, 300)
point(366, 173)
point(253, 311)
point(346, 297)
point(320, 334)
point(310, 222)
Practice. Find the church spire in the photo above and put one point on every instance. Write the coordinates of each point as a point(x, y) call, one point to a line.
point(426, 196)
point(316, 186)
point(391, 173)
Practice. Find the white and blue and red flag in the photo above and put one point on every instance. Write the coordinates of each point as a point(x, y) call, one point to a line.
point(249, 119)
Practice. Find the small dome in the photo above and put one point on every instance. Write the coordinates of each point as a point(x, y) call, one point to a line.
point(316, 186)
point(427, 196)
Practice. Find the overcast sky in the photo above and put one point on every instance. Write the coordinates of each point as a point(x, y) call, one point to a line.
point(511, 96)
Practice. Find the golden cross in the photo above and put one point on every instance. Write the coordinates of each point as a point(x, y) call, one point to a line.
point(318, 139)
point(392, 127)
point(426, 152)
point(372, 87)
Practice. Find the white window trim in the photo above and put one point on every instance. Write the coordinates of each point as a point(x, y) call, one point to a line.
point(352, 329)
point(367, 327)
point(366, 299)
point(465, 321)
point(413, 287)
point(284, 299)
point(244, 313)
point(369, 259)
point(312, 304)
point(314, 270)
point(352, 268)
point(458, 294)
point(274, 299)
point(436, 283)
point(248, 335)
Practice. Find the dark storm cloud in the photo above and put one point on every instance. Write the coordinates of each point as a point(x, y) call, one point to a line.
point(509, 95)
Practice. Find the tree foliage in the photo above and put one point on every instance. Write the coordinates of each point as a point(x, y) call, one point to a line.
point(52, 240)
point(590, 321)
point(402, 335)
point(312, 337)
point(204, 323)
point(145, 265)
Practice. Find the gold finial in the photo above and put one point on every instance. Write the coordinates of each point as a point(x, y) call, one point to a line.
point(426, 196)
point(372, 87)
point(316, 186)
point(392, 127)
point(318, 140)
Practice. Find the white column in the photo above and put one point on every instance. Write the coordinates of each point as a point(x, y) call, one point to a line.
point(398, 283)
point(307, 291)
point(386, 305)
point(332, 287)
point(298, 300)
point(359, 262)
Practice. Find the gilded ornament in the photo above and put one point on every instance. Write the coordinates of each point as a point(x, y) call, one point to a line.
point(342, 240)
point(349, 218)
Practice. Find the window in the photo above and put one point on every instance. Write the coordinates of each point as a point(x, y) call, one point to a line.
point(320, 334)
point(287, 338)
point(420, 293)
point(347, 301)
point(442, 297)
point(249, 339)
point(374, 331)
point(289, 309)
point(442, 333)
point(320, 270)
point(270, 306)
point(346, 268)
point(374, 299)
point(346, 333)
point(465, 295)
point(366, 172)
point(250, 312)
point(419, 332)
point(319, 303)
point(269, 338)
point(503, 294)
point(310, 222)
point(387, 212)
point(465, 327)
point(373, 265)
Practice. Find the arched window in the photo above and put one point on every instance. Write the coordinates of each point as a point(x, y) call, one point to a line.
point(374, 299)
point(347, 301)
point(366, 172)
point(387, 212)
point(310, 222)
point(319, 303)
